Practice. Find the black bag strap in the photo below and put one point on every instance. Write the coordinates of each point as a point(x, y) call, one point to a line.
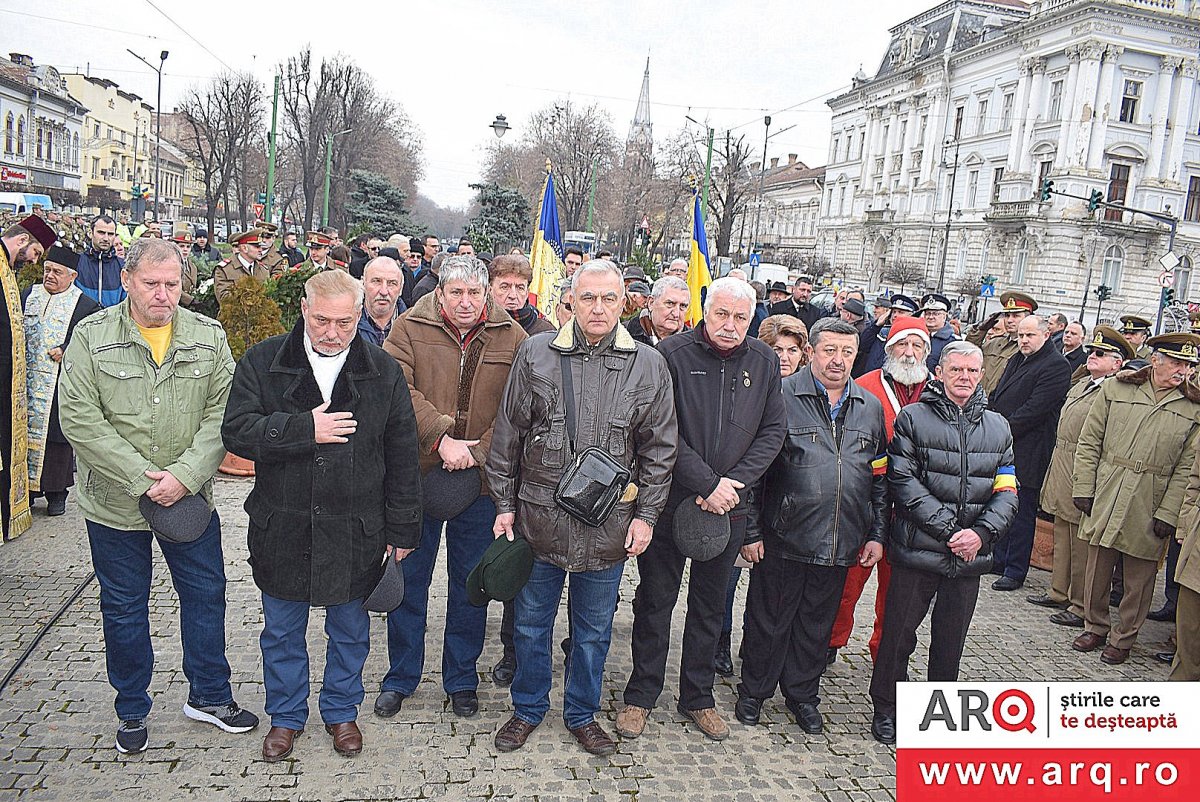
point(569, 397)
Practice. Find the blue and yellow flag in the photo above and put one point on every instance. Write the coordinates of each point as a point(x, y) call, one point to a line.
point(546, 254)
point(698, 276)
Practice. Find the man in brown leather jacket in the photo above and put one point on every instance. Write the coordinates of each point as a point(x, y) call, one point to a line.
point(624, 404)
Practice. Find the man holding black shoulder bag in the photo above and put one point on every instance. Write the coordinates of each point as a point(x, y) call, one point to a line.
point(731, 427)
point(582, 451)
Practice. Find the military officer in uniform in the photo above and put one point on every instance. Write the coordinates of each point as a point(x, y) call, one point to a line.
point(274, 261)
point(999, 349)
point(181, 235)
point(247, 248)
point(318, 244)
point(1136, 329)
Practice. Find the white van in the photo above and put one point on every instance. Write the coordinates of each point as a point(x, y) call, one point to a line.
point(23, 202)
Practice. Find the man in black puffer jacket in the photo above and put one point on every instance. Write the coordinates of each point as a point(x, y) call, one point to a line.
point(953, 486)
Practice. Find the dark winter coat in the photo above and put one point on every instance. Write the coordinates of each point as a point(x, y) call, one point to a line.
point(322, 514)
point(1030, 396)
point(426, 284)
point(806, 312)
point(946, 471)
point(826, 493)
point(937, 341)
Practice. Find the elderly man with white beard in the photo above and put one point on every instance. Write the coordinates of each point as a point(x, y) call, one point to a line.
point(898, 383)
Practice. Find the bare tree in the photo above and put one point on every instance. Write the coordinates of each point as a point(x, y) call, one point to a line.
point(903, 273)
point(732, 185)
point(215, 127)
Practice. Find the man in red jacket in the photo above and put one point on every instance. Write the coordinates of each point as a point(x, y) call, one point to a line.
point(898, 383)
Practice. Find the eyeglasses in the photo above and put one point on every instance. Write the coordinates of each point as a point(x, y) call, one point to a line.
point(1099, 352)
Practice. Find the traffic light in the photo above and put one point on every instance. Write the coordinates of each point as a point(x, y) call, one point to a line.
point(262, 197)
point(1095, 199)
point(136, 191)
point(1168, 296)
point(1103, 292)
point(1047, 188)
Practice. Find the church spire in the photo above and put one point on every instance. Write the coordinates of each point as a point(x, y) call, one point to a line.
point(641, 131)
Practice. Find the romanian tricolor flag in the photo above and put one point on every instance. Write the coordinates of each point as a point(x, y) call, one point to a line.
point(698, 276)
point(546, 254)
point(879, 465)
point(1006, 479)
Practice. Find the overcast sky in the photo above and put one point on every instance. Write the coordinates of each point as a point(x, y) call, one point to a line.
point(455, 64)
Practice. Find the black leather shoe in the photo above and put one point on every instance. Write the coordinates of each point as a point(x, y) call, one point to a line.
point(883, 729)
point(723, 662)
point(1006, 583)
point(1164, 613)
point(808, 717)
point(747, 710)
point(831, 655)
point(1066, 618)
point(1165, 657)
point(1046, 600)
point(388, 703)
point(504, 671)
point(465, 704)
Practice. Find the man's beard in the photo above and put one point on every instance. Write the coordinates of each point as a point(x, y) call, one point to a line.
point(908, 371)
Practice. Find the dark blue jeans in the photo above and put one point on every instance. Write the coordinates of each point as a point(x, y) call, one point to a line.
point(285, 661)
point(467, 538)
point(123, 561)
point(593, 599)
point(1010, 557)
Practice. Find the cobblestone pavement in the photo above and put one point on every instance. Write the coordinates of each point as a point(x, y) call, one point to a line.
point(58, 723)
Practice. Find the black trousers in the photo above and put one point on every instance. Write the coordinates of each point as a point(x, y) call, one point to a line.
point(1172, 589)
point(909, 595)
point(660, 567)
point(506, 630)
point(790, 609)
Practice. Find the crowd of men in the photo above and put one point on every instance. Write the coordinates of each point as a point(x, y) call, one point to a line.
point(826, 446)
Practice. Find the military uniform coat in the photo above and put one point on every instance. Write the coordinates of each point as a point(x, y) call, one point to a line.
point(229, 271)
point(996, 353)
point(1133, 458)
point(1056, 490)
point(1187, 571)
point(190, 278)
point(274, 262)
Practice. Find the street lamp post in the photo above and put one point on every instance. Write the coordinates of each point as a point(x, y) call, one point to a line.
point(328, 167)
point(949, 208)
point(162, 57)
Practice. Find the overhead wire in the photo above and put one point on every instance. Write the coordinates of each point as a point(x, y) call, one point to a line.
point(188, 34)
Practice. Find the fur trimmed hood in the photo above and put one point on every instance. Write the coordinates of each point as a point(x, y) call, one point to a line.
point(1190, 391)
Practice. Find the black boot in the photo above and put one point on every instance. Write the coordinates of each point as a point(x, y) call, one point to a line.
point(1164, 613)
point(56, 502)
point(723, 662)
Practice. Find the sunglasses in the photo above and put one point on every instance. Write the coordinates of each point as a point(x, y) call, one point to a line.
point(1099, 352)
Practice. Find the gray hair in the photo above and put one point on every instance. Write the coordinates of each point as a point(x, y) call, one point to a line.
point(830, 325)
point(738, 273)
point(667, 283)
point(729, 286)
point(959, 348)
point(333, 284)
point(154, 251)
point(681, 261)
point(598, 266)
point(439, 259)
point(463, 268)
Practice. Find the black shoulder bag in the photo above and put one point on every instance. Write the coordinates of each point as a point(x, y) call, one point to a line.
point(593, 483)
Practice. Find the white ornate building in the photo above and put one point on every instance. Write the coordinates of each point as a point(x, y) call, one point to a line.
point(42, 123)
point(976, 103)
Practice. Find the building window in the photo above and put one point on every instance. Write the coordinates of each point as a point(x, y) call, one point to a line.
point(1191, 210)
point(75, 150)
point(40, 135)
point(841, 208)
point(1044, 169)
point(96, 131)
point(110, 135)
point(8, 133)
point(884, 143)
point(903, 135)
point(51, 153)
point(1129, 101)
point(1054, 105)
point(849, 144)
point(960, 261)
point(922, 128)
point(972, 188)
point(1110, 273)
point(833, 152)
point(1020, 259)
point(1118, 190)
point(95, 167)
point(21, 135)
point(1006, 110)
point(981, 125)
point(1183, 279)
point(997, 177)
point(983, 257)
point(959, 113)
point(862, 140)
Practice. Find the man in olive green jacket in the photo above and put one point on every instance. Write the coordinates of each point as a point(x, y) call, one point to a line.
point(1131, 469)
point(142, 394)
point(1186, 666)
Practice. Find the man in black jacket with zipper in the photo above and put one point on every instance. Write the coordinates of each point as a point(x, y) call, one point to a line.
point(731, 427)
point(953, 487)
point(823, 505)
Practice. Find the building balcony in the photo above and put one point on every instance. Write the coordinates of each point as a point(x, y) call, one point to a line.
point(1014, 213)
point(877, 217)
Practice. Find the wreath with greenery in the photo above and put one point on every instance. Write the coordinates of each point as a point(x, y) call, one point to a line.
point(286, 290)
point(248, 315)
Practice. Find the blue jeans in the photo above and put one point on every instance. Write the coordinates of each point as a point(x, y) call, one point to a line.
point(123, 562)
point(285, 661)
point(467, 538)
point(592, 599)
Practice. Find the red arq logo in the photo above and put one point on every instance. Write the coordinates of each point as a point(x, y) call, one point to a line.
point(1011, 710)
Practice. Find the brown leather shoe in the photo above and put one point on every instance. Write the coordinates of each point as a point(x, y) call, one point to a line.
point(1114, 655)
point(631, 721)
point(708, 720)
point(1087, 642)
point(513, 734)
point(278, 743)
point(594, 739)
point(347, 739)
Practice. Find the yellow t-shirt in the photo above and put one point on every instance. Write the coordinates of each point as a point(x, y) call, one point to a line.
point(158, 339)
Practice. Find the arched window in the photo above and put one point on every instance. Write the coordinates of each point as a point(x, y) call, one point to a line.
point(8, 133)
point(1183, 279)
point(960, 260)
point(40, 141)
point(21, 135)
point(1110, 273)
point(984, 254)
point(51, 153)
point(1020, 261)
